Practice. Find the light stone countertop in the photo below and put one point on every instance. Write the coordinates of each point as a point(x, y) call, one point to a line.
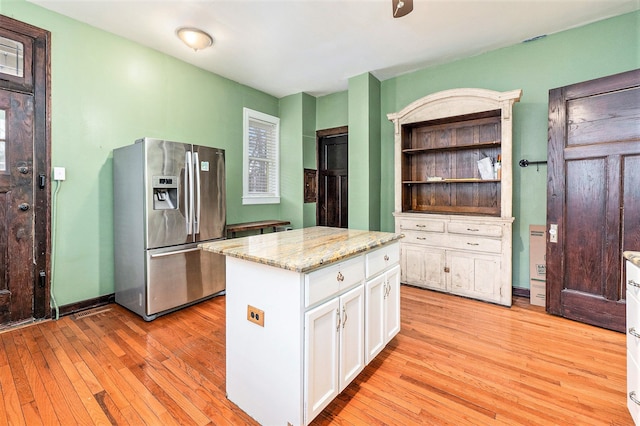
point(302, 250)
point(633, 257)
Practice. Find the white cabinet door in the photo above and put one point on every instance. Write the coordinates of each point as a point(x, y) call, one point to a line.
point(351, 335)
point(423, 266)
point(383, 311)
point(474, 275)
point(321, 357)
point(375, 335)
point(392, 304)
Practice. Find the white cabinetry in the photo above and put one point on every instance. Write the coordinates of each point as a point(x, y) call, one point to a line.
point(468, 256)
point(312, 344)
point(457, 223)
point(633, 340)
point(334, 338)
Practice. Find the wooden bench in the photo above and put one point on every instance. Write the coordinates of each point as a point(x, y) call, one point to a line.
point(250, 226)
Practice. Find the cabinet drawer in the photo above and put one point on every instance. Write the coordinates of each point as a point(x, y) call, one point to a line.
point(333, 280)
point(485, 245)
point(378, 260)
point(429, 225)
point(425, 239)
point(471, 228)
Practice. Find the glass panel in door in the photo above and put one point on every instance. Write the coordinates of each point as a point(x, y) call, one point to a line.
point(11, 57)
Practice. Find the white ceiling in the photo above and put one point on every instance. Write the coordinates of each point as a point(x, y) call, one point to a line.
point(284, 47)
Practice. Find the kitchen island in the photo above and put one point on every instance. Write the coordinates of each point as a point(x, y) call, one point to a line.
point(306, 310)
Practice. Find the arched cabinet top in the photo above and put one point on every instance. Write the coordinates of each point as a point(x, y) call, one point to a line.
point(454, 102)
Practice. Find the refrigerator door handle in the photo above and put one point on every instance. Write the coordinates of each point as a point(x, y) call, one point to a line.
point(196, 194)
point(172, 253)
point(188, 191)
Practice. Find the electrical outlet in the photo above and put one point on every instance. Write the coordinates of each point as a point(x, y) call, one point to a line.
point(59, 173)
point(255, 315)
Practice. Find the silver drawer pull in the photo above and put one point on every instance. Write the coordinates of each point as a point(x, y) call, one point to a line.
point(632, 396)
point(340, 277)
point(386, 257)
point(633, 332)
point(421, 238)
point(473, 244)
point(421, 226)
point(633, 283)
point(473, 229)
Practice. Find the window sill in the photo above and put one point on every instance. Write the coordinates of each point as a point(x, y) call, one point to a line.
point(260, 200)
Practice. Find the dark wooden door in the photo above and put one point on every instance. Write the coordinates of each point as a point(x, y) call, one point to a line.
point(24, 166)
point(16, 206)
point(593, 196)
point(333, 161)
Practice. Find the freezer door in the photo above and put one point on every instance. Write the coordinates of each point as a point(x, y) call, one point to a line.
point(166, 193)
point(180, 275)
point(210, 200)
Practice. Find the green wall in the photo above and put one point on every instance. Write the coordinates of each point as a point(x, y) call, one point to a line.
point(596, 50)
point(107, 91)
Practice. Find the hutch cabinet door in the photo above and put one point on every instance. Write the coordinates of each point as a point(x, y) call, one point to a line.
point(474, 275)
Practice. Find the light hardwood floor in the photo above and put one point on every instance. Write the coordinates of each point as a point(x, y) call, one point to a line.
point(456, 361)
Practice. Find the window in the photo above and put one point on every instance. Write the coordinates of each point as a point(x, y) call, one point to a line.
point(261, 158)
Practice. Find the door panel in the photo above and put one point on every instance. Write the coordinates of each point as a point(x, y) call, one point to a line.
point(212, 193)
point(585, 225)
point(166, 224)
point(630, 202)
point(16, 196)
point(593, 197)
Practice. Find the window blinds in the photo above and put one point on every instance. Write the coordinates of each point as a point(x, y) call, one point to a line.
point(263, 153)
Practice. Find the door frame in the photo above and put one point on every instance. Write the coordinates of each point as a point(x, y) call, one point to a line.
point(342, 130)
point(39, 86)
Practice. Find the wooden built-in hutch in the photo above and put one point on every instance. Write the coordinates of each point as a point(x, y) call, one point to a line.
point(458, 223)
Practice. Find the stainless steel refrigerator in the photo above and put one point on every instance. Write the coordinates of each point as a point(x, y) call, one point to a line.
point(168, 198)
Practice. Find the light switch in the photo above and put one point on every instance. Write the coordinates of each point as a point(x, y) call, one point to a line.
point(553, 233)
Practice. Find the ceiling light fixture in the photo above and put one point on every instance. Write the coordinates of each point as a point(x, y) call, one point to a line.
point(194, 38)
point(401, 7)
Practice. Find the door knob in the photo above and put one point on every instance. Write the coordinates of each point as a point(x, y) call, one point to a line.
point(24, 207)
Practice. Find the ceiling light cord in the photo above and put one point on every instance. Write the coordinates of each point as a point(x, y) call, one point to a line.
point(398, 7)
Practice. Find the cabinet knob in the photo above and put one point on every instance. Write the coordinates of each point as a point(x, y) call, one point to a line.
point(633, 283)
point(446, 269)
point(633, 332)
point(340, 277)
point(632, 396)
point(386, 258)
